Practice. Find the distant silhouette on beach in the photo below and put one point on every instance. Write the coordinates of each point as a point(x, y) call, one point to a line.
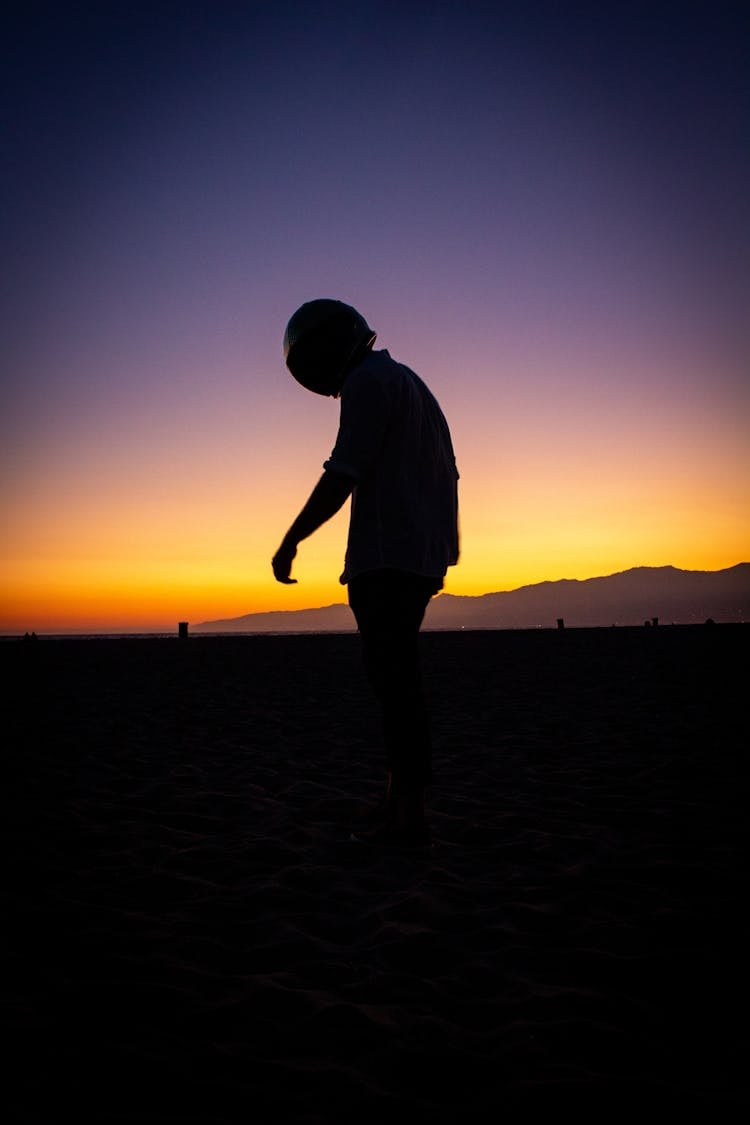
point(394, 457)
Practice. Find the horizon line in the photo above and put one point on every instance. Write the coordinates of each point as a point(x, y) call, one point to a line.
point(169, 629)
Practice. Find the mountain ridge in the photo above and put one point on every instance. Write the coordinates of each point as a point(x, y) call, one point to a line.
point(627, 597)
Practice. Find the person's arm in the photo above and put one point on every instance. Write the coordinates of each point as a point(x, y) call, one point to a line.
point(329, 494)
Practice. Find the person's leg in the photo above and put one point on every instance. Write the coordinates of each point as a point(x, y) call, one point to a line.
point(389, 607)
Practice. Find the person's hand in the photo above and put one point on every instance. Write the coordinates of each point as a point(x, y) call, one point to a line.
point(282, 564)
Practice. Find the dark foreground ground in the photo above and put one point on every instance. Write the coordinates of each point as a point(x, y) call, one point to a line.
point(191, 937)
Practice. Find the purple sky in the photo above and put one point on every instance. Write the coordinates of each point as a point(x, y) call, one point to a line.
point(543, 208)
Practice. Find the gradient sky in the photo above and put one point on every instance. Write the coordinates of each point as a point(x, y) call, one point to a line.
point(541, 208)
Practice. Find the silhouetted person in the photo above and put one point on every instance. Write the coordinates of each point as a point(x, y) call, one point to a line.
point(394, 457)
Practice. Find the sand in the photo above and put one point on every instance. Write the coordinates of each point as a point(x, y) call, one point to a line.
point(192, 937)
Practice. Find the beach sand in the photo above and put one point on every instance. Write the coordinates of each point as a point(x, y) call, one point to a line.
point(192, 937)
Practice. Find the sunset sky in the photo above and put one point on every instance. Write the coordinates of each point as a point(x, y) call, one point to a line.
point(541, 208)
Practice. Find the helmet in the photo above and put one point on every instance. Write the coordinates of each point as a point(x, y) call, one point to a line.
point(323, 340)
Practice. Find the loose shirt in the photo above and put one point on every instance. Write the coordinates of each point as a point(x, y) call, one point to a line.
point(394, 441)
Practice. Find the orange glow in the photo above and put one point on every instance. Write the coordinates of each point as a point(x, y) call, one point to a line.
point(135, 551)
point(105, 533)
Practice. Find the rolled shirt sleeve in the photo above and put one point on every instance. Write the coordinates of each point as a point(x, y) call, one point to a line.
point(365, 411)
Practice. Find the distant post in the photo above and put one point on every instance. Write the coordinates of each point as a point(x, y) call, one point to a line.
point(654, 621)
point(561, 622)
point(182, 627)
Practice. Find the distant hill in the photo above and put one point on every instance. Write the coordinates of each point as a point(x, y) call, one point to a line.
point(629, 598)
